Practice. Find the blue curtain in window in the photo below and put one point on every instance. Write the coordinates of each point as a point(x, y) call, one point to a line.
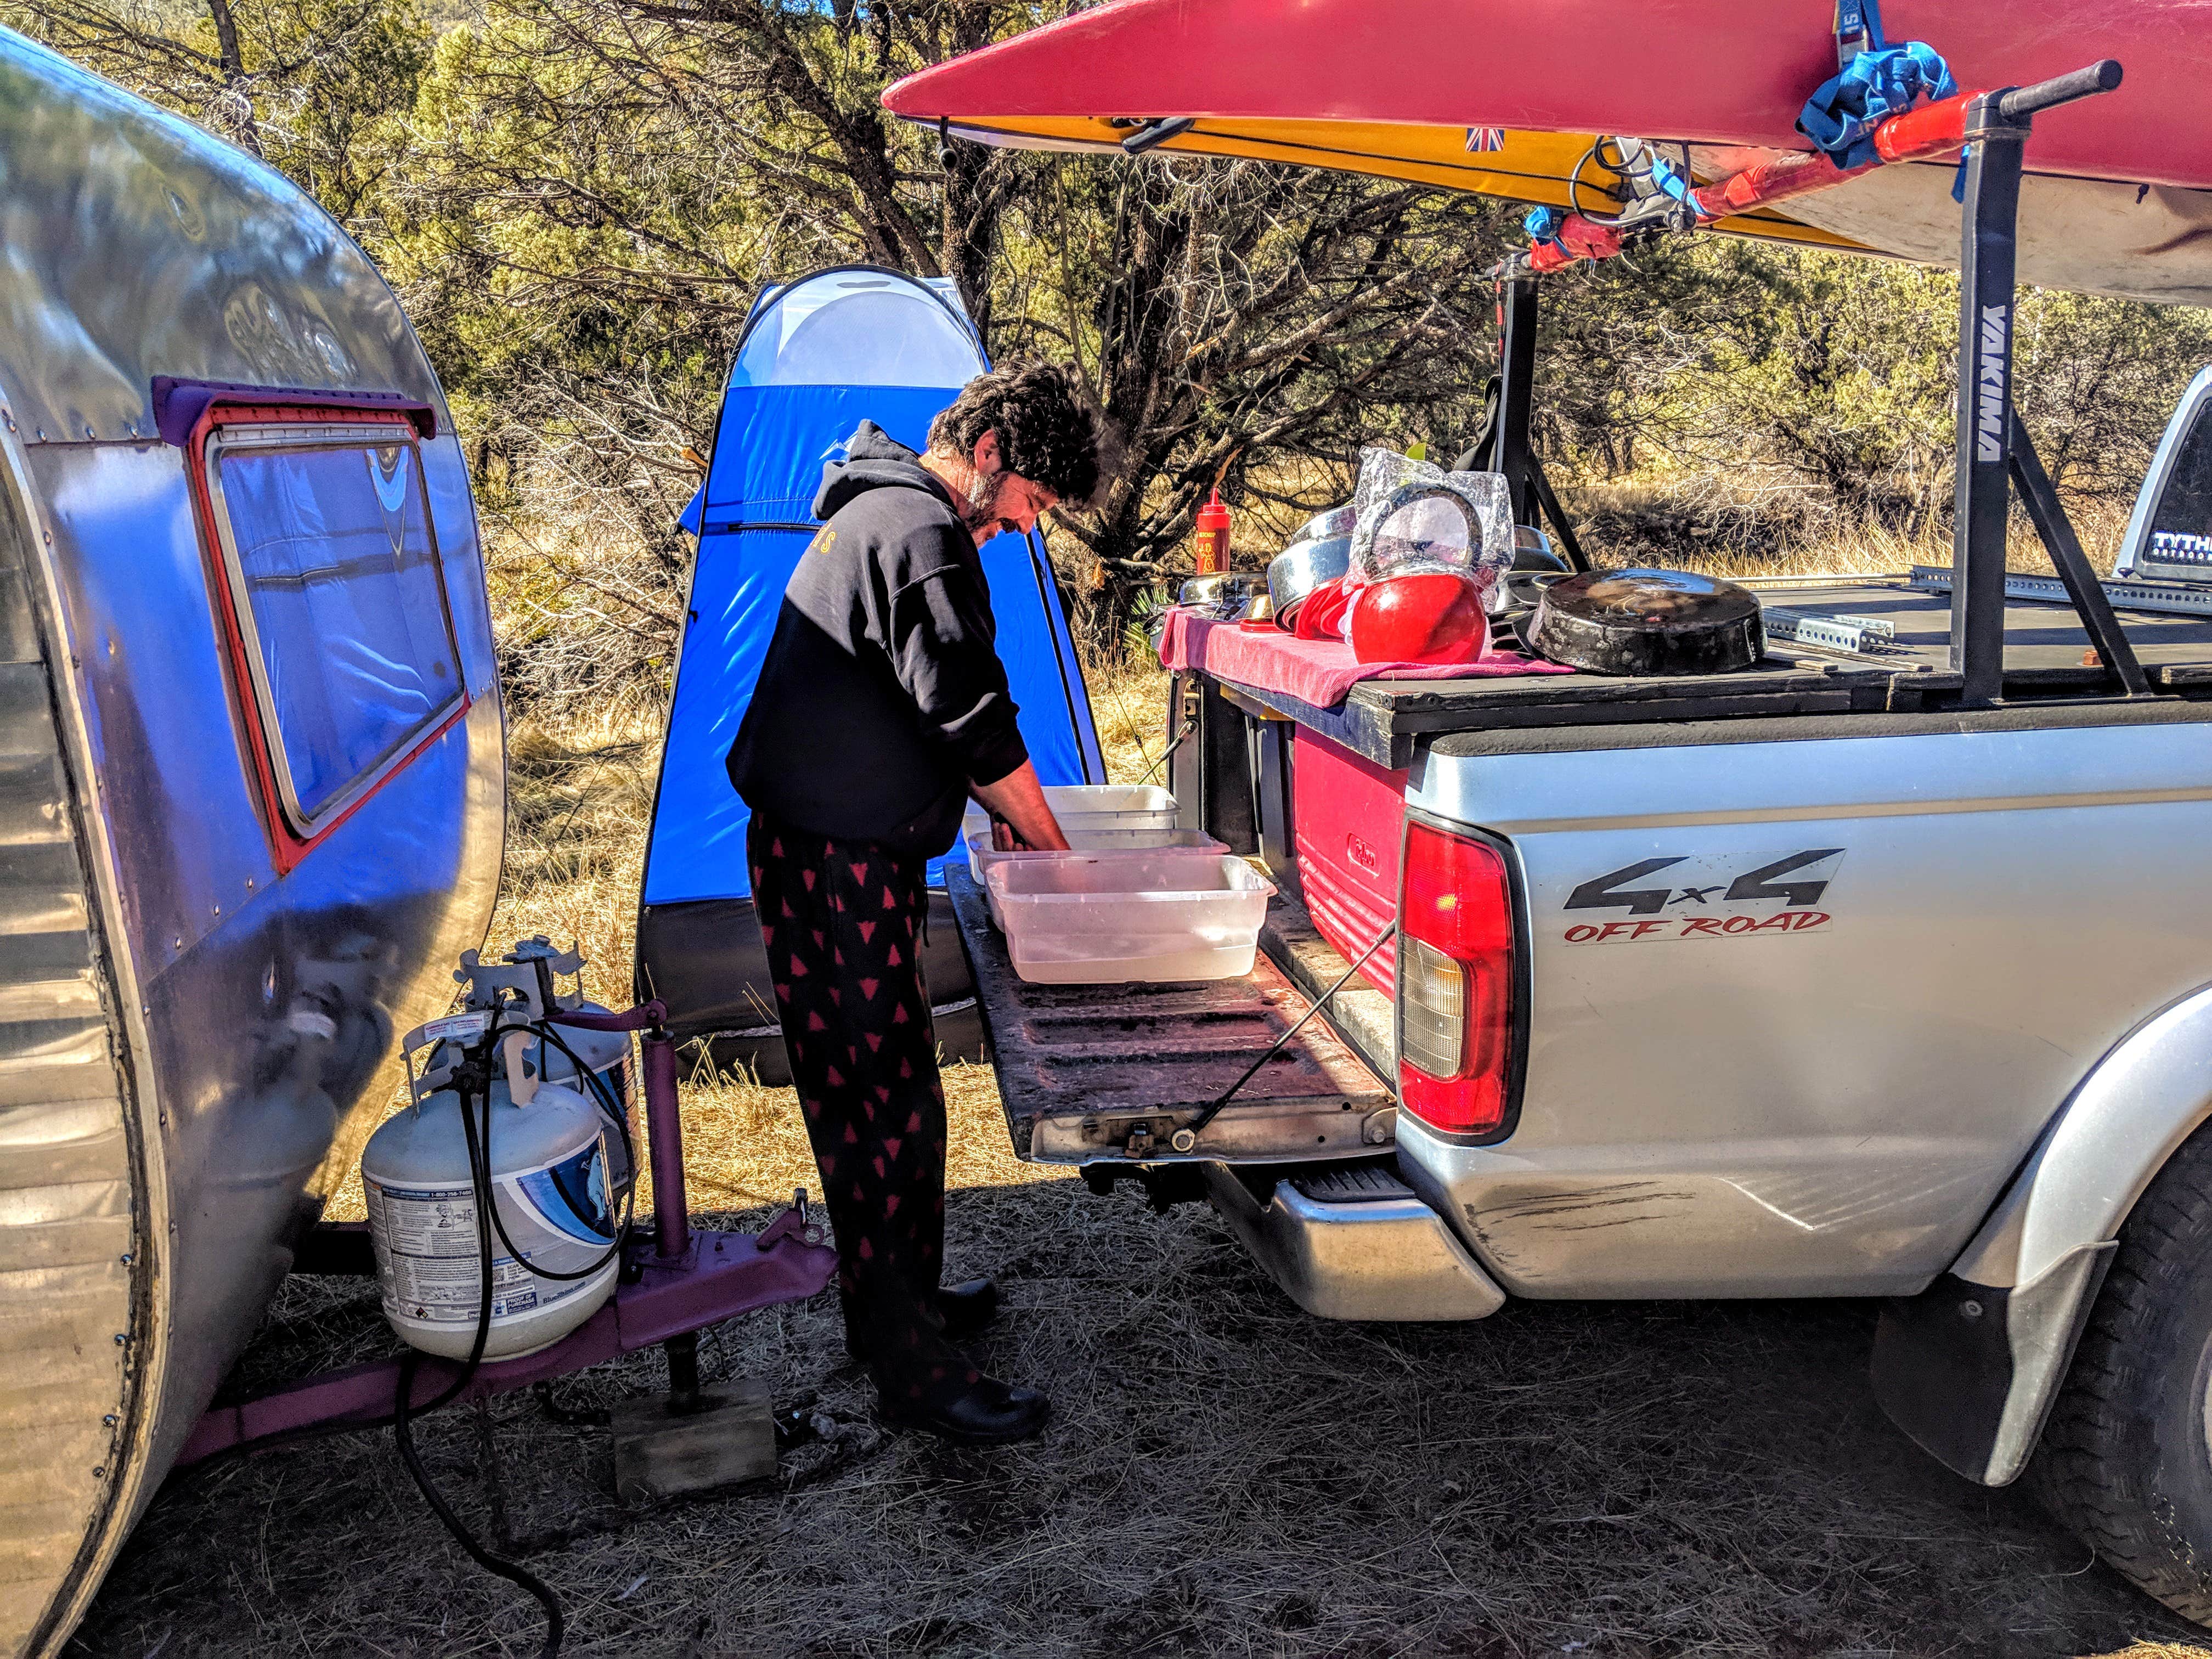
point(335, 549)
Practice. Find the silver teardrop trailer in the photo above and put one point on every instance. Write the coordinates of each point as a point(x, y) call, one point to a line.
point(251, 776)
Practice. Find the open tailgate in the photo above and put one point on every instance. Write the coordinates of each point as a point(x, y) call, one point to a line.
point(1108, 1073)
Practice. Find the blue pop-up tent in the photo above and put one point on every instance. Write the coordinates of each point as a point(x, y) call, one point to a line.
point(818, 357)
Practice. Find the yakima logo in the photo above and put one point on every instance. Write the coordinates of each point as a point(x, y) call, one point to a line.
point(1989, 387)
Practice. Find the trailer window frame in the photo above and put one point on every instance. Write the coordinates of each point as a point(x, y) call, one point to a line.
point(231, 430)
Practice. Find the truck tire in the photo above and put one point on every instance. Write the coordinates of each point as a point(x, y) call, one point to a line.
point(2125, 1461)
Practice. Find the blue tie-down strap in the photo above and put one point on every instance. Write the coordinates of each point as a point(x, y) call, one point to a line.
point(1670, 182)
point(1858, 28)
point(1543, 224)
point(1841, 117)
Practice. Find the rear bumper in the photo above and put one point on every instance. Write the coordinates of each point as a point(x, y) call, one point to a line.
point(1385, 1257)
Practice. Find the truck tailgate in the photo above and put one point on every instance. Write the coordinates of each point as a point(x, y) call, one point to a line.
point(1108, 1073)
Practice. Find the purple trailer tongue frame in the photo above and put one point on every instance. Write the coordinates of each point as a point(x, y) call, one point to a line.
point(673, 1283)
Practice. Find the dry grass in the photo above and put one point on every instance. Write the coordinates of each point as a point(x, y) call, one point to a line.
point(1129, 702)
point(1708, 524)
point(1224, 1474)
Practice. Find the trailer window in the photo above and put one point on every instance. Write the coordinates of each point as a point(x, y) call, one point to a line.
point(335, 584)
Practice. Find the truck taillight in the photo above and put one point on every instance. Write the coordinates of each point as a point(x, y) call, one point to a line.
point(1455, 981)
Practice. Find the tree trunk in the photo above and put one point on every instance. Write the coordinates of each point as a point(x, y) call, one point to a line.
point(233, 72)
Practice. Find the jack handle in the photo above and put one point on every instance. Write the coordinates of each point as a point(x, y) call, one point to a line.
point(664, 1123)
point(2023, 103)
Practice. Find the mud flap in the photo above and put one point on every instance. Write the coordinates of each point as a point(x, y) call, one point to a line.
point(1970, 1371)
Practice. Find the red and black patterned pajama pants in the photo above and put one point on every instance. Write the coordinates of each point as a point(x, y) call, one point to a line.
point(841, 920)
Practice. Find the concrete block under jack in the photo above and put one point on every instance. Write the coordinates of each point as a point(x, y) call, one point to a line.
point(730, 1438)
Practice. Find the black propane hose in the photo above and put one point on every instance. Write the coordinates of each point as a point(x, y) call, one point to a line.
point(404, 1412)
point(608, 1103)
point(629, 1199)
point(402, 1435)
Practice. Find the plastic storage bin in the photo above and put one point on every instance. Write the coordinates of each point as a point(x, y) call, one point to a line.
point(982, 856)
point(1093, 806)
point(1107, 920)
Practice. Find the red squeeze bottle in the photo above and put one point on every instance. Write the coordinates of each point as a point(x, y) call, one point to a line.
point(1211, 557)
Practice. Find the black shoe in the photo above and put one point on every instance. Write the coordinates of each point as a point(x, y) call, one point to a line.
point(985, 1412)
point(963, 1310)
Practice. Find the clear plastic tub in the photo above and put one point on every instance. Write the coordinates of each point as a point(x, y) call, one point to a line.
point(1093, 806)
point(982, 856)
point(1159, 917)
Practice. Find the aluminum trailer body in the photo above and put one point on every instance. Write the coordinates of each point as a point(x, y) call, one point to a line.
point(251, 776)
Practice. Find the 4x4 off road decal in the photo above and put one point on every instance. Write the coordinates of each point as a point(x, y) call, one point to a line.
point(1706, 896)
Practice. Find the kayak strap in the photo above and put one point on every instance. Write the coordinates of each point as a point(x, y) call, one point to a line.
point(1670, 182)
point(1858, 28)
point(1543, 225)
point(1874, 82)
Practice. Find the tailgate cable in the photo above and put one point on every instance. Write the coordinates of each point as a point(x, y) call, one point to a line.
point(1189, 727)
point(1187, 1137)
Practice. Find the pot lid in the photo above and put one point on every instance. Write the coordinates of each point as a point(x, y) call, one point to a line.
point(1650, 600)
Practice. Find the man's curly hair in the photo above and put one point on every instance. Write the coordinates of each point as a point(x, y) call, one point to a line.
point(1048, 430)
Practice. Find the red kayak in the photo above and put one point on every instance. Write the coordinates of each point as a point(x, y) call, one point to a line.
point(1501, 97)
point(1708, 71)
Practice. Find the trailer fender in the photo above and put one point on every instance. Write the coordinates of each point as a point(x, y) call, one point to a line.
point(1971, 1367)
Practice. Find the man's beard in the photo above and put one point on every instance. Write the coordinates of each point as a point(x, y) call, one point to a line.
point(982, 505)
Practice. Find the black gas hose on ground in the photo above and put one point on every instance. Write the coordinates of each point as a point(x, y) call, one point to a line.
point(474, 1075)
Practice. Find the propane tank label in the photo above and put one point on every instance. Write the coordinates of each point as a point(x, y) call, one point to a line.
point(558, 1217)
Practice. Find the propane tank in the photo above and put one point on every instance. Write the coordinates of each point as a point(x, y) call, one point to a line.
point(548, 1157)
point(1210, 556)
point(528, 971)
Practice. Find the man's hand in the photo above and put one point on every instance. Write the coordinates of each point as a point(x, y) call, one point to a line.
point(1020, 820)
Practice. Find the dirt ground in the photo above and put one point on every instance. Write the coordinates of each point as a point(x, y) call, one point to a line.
point(1224, 1474)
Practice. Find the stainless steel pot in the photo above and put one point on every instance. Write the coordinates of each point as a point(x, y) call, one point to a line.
point(1301, 567)
point(1535, 567)
point(1327, 526)
point(1224, 596)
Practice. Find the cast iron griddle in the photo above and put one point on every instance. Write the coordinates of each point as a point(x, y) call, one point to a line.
point(1643, 621)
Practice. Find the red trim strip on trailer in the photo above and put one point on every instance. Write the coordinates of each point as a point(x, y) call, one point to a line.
point(286, 846)
point(178, 404)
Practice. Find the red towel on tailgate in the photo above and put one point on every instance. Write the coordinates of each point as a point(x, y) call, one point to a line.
point(1317, 671)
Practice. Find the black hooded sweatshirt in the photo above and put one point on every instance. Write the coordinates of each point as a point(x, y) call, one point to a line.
point(882, 697)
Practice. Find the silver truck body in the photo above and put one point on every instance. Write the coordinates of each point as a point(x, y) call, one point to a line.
point(1826, 980)
point(1719, 1101)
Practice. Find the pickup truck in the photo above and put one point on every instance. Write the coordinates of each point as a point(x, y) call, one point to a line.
point(1818, 979)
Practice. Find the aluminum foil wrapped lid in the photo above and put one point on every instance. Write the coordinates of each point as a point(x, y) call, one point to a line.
point(1411, 515)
